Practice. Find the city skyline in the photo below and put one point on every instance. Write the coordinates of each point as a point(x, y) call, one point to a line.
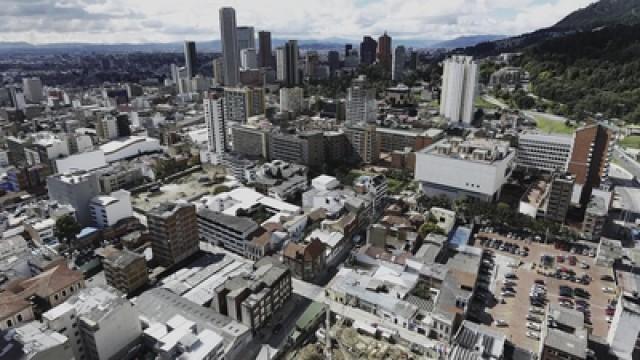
point(119, 21)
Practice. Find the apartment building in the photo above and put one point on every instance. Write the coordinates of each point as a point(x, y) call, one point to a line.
point(305, 148)
point(545, 152)
point(250, 141)
point(174, 232)
point(363, 142)
point(124, 269)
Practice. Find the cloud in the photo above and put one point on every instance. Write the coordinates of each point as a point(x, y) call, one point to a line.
point(42, 21)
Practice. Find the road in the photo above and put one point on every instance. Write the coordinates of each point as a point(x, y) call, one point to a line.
point(494, 101)
point(627, 162)
point(552, 117)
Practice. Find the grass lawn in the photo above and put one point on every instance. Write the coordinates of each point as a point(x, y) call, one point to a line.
point(482, 103)
point(631, 142)
point(555, 127)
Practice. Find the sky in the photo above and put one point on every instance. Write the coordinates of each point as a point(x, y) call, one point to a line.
point(140, 21)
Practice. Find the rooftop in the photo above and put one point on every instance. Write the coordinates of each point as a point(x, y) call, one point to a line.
point(477, 150)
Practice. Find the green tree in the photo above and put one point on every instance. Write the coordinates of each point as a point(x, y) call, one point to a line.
point(66, 229)
point(430, 228)
point(220, 189)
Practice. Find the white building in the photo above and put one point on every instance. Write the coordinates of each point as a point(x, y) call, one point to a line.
point(281, 59)
point(107, 210)
point(361, 102)
point(32, 89)
point(325, 182)
point(214, 118)
point(292, 99)
point(107, 127)
point(129, 147)
point(464, 168)
point(180, 338)
point(242, 103)
point(248, 59)
point(85, 161)
point(99, 322)
point(459, 86)
point(546, 152)
point(34, 341)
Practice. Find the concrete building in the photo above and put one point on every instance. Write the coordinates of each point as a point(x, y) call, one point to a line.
point(33, 341)
point(242, 103)
point(560, 197)
point(107, 210)
point(595, 217)
point(248, 59)
point(363, 142)
point(230, 50)
point(99, 323)
point(291, 71)
point(544, 152)
point(129, 147)
point(385, 57)
point(214, 117)
point(218, 70)
point(292, 100)
point(75, 189)
point(174, 232)
point(250, 141)
point(265, 55)
point(465, 168)
point(124, 269)
point(32, 90)
point(624, 331)
point(563, 336)
point(281, 64)
point(180, 338)
point(254, 298)
point(399, 63)
point(306, 261)
point(246, 37)
point(231, 232)
point(336, 146)
point(459, 87)
point(361, 102)
point(303, 148)
point(107, 127)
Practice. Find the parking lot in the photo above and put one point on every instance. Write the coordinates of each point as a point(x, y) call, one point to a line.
point(527, 269)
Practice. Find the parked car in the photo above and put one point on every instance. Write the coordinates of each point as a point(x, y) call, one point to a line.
point(606, 278)
point(608, 290)
point(533, 335)
point(533, 326)
point(533, 318)
point(501, 323)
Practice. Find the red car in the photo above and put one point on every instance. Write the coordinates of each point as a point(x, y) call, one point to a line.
point(610, 311)
point(573, 260)
point(560, 258)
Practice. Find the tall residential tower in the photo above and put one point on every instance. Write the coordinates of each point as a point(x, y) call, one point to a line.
point(230, 50)
point(459, 86)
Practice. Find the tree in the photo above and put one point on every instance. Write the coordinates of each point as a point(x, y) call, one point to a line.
point(220, 189)
point(430, 228)
point(67, 228)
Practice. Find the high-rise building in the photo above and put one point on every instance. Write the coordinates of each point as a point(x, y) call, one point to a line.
point(544, 152)
point(107, 210)
point(32, 89)
point(229, 41)
point(292, 99)
point(174, 232)
point(281, 64)
point(250, 141)
point(559, 197)
point(190, 58)
point(124, 269)
point(347, 49)
point(218, 70)
point(76, 190)
point(361, 102)
point(368, 48)
point(399, 63)
point(242, 103)
point(214, 118)
point(364, 143)
point(334, 61)
point(291, 73)
point(265, 56)
point(311, 62)
point(248, 59)
point(384, 51)
point(590, 158)
point(459, 86)
point(246, 37)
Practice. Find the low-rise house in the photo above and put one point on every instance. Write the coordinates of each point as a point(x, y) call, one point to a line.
point(305, 260)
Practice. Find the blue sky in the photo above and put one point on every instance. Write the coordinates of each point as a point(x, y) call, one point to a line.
point(42, 21)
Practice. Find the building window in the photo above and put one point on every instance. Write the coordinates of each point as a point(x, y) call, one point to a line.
point(19, 317)
point(9, 323)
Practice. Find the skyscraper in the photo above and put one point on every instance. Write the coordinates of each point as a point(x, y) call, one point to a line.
point(246, 37)
point(32, 89)
point(265, 58)
point(399, 61)
point(459, 85)
point(214, 118)
point(218, 70)
point(230, 52)
point(190, 58)
point(384, 51)
point(347, 49)
point(334, 61)
point(281, 66)
point(292, 76)
point(368, 48)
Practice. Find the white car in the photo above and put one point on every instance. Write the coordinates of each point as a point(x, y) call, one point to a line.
point(608, 290)
point(536, 311)
point(501, 323)
point(533, 335)
point(533, 326)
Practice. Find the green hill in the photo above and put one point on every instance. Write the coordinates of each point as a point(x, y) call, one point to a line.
point(602, 13)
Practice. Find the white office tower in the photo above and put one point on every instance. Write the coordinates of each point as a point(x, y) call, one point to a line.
point(361, 102)
point(459, 86)
point(214, 117)
point(246, 38)
point(399, 61)
point(249, 59)
point(292, 99)
point(229, 41)
point(281, 60)
point(32, 89)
